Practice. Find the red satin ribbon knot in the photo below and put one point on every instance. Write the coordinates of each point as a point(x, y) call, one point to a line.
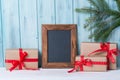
point(20, 62)
point(105, 47)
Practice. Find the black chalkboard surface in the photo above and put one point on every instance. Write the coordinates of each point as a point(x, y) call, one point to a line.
point(58, 45)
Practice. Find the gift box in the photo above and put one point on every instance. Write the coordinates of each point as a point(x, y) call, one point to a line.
point(101, 50)
point(90, 64)
point(21, 59)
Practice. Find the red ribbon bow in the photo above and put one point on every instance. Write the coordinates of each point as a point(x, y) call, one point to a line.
point(79, 64)
point(20, 62)
point(105, 47)
point(85, 62)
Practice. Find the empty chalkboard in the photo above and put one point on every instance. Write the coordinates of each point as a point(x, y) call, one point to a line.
point(58, 46)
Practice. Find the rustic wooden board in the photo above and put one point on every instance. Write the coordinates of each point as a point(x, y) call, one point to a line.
point(10, 17)
point(63, 11)
point(28, 23)
point(79, 19)
point(1, 40)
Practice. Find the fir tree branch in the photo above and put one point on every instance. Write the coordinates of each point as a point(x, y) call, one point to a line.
point(87, 10)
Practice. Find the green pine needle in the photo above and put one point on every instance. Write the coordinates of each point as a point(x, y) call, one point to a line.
point(103, 19)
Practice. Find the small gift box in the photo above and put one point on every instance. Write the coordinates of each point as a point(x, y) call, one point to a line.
point(90, 64)
point(101, 49)
point(21, 59)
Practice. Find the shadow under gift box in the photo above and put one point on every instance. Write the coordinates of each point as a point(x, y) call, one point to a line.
point(101, 65)
point(13, 54)
point(88, 47)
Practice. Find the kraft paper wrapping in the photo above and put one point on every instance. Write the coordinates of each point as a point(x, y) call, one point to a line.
point(13, 54)
point(88, 47)
point(94, 68)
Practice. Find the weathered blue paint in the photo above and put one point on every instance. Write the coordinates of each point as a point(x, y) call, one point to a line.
point(1, 39)
point(21, 21)
point(10, 23)
point(79, 19)
point(28, 23)
point(64, 12)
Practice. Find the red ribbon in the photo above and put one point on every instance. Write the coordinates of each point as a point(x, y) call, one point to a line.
point(85, 62)
point(105, 47)
point(20, 62)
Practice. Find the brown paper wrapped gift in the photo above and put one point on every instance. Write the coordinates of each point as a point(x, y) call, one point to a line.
point(88, 47)
point(99, 64)
point(28, 58)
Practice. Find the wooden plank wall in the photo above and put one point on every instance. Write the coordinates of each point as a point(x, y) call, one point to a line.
point(21, 21)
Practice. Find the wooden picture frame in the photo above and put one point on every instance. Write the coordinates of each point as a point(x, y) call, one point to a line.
point(58, 45)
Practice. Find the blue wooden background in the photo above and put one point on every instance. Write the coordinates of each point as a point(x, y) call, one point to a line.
point(20, 22)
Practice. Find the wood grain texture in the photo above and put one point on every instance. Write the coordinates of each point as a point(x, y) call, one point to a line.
point(28, 23)
point(45, 63)
point(1, 39)
point(64, 12)
point(11, 23)
point(79, 19)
